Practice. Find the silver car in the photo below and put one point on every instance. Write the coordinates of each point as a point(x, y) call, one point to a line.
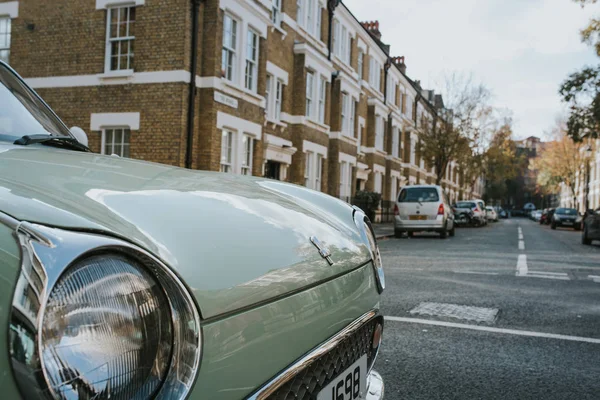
point(423, 208)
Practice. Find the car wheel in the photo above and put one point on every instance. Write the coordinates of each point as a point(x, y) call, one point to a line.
point(409, 234)
point(584, 238)
point(398, 233)
point(444, 233)
point(452, 231)
point(553, 226)
point(576, 227)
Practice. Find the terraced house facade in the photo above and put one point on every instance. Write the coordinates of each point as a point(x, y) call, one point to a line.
point(294, 90)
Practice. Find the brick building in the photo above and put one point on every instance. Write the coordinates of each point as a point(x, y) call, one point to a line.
point(295, 90)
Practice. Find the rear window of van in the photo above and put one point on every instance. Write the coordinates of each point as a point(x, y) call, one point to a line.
point(416, 195)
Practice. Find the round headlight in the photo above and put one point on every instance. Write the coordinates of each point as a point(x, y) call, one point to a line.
point(106, 331)
point(368, 234)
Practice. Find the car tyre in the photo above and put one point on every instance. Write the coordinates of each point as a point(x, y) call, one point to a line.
point(576, 227)
point(444, 233)
point(452, 231)
point(584, 238)
point(398, 233)
point(409, 234)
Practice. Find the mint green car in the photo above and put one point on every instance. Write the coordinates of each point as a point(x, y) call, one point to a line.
point(123, 279)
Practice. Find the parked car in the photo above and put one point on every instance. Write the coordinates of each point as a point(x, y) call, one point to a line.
point(567, 217)
point(480, 212)
point(502, 213)
point(547, 216)
point(423, 208)
point(591, 227)
point(536, 215)
point(491, 214)
point(464, 214)
point(125, 279)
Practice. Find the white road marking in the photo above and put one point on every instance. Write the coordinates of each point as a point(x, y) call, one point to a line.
point(522, 265)
point(595, 278)
point(458, 311)
point(476, 273)
point(521, 245)
point(520, 236)
point(558, 278)
point(548, 273)
point(494, 330)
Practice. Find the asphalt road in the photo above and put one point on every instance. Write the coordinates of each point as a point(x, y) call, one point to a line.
point(541, 299)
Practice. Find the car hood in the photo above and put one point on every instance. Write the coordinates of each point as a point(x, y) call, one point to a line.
point(236, 241)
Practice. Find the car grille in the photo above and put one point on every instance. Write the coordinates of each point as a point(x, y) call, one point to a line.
point(307, 383)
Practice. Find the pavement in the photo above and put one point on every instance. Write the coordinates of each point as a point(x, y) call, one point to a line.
point(507, 311)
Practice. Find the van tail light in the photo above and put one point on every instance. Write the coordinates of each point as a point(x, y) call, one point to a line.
point(396, 211)
point(475, 209)
point(441, 209)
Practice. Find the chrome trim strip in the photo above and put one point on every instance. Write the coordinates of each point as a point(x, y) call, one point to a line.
point(9, 221)
point(278, 381)
point(366, 229)
point(46, 253)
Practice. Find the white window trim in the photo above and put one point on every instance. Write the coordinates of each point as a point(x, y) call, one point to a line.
point(10, 9)
point(310, 109)
point(315, 61)
point(276, 12)
point(379, 168)
point(229, 121)
point(379, 132)
point(273, 112)
point(322, 99)
point(278, 72)
point(249, 167)
point(231, 163)
point(103, 138)
point(255, 63)
point(108, 47)
point(314, 147)
point(100, 121)
point(249, 16)
point(350, 159)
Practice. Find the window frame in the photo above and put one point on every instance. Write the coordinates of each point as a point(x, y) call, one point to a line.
point(228, 167)
point(109, 41)
point(379, 132)
point(310, 94)
point(252, 63)
point(276, 13)
point(231, 51)
point(308, 157)
point(395, 141)
point(123, 145)
point(7, 35)
point(322, 99)
point(360, 68)
point(247, 155)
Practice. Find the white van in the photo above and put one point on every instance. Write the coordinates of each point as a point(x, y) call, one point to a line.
point(423, 208)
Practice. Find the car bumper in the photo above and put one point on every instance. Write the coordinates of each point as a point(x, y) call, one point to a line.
point(375, 386)
point(416, 226)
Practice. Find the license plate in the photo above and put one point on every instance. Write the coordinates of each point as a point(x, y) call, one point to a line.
point(417, 217)
point(349, 385)
point(567, 223)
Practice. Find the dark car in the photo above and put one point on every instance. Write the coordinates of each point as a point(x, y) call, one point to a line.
point(567, 217)
point(547, 216)
point(591, 227)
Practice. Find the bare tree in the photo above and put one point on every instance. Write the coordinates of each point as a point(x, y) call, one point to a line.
point(458, 131)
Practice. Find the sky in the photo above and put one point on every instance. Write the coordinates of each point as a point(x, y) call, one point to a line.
point(520, 49)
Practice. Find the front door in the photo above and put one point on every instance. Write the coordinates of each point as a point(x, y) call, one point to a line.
point(273, 170)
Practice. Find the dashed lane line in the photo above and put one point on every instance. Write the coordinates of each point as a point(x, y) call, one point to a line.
point(490, 329)
point(522, 265)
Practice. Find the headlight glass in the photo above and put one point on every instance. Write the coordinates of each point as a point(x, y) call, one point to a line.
point(107, 331)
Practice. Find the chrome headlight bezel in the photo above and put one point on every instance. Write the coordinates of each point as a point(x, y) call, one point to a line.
point(48, 253)
point(367, 234)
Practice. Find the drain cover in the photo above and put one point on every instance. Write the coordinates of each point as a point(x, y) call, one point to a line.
point(478, 314)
